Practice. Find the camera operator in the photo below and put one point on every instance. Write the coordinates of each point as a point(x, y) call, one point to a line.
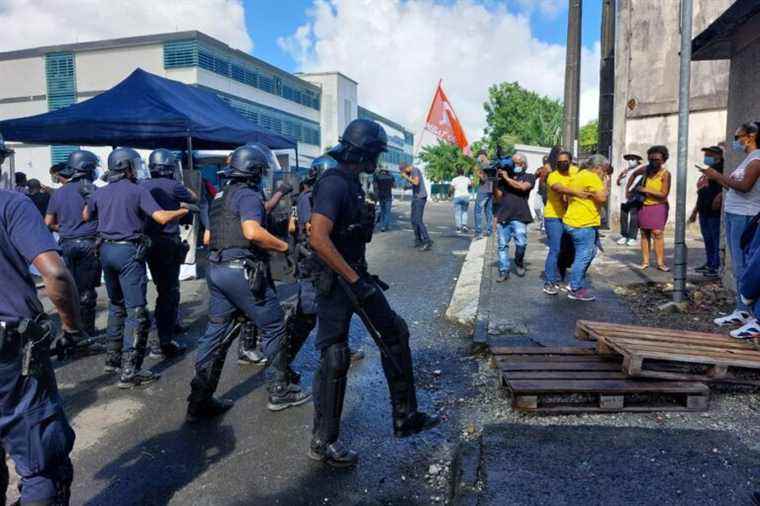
point(484, 199)
point(514, 185)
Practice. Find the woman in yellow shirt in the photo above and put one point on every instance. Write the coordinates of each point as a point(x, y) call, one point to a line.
point(653, 215)
point(554, 211)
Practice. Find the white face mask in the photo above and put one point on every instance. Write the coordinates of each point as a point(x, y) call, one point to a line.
point(632, 163)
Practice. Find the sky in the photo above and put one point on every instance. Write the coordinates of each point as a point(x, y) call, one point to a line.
point(396, 49)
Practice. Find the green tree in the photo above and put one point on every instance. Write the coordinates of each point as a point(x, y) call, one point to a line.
point(588, 136)
point(522, 116)
point(442, 161)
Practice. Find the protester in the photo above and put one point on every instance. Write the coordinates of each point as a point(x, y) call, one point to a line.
point(484, 200)
point(383, 183)
point(586, 194)
point(629, 209)
point(514, 215)
point(653, 214)
point(419, 199)
point(40, 198)
point(554, 211)
point(708, 209)
point(539, 199)
point(742, 202)
point(461, 200)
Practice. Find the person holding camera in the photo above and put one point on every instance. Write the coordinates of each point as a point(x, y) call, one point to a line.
point(513, 187)
point(484, 200)
point(629, 210)
point(415, 178)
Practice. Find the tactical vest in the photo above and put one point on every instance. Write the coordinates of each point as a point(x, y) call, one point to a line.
point(361, 224)
point(226, 231)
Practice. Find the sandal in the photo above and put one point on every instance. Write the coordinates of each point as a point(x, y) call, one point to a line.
point(663, 268)
point(644, 267)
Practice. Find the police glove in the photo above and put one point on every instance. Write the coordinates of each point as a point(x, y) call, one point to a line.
point(284, 188)
point(363, 289)
point(193, 208)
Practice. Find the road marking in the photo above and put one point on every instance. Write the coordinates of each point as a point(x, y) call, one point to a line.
point(463, 307)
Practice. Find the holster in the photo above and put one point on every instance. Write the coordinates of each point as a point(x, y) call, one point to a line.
point(35, 337)
point(143, 248)
point(257, 274)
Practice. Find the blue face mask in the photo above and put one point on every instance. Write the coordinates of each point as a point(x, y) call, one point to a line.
point(709, 161)
point(519, 170)
point(738, 146)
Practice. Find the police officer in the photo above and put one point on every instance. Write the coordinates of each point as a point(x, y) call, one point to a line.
point(241, 288)
point(77, 237)
point(341, 226)
point(122, 208)
point(33, 426)
point(167, 251)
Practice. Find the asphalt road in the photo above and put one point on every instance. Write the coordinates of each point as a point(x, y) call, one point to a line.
point(133, 447)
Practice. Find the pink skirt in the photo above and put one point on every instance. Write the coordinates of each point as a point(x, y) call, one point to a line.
point(653, 217)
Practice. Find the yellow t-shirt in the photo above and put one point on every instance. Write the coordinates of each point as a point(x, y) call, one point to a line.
point(583, 212)
point(654, 183)
point(555, 202)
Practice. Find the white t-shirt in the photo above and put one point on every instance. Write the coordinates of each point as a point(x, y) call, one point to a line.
point(745, 204)
point(461, 185)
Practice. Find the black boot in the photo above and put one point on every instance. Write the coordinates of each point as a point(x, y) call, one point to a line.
point(88, 312)
point(201, 402)
point(329, 392)
point(520, 261)
point(113, 361)
point(131, 373)
point(248, 354)
point(283, 393)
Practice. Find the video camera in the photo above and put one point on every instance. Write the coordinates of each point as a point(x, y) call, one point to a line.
point(500, 163)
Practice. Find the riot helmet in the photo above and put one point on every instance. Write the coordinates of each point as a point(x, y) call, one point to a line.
point(162, 163)
point(318, 167)
point(362, 142)
point(80, 164)
point(250, 162)
point(123, 162)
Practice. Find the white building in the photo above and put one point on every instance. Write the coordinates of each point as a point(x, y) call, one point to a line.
point(313, 108)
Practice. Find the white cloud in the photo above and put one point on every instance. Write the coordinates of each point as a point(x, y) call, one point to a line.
point(398, 50)
point(46, 22)
point(549, 8)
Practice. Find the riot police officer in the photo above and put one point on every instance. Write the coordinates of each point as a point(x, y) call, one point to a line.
point(33, 426)
point(241, 288)
point(167, 251)
point(122, 208)
point(77, 237)
point(341, 226)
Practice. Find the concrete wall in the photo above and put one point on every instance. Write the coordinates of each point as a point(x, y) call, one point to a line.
point(97, 71)
point(340, 102)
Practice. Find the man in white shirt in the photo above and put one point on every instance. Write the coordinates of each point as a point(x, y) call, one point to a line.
point(461, 186)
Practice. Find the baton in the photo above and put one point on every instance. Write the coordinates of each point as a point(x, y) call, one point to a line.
point(373, 332)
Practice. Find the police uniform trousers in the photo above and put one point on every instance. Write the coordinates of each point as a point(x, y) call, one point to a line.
point(34, 430)
point(334, 310)
point(126, 283)
point(164, 263)
point(229, 297)
point(81, 258)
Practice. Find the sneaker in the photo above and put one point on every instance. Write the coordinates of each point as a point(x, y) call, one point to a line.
point(582, 294)
point(287, 397)
point(138, 378)
point(750, 330)
point(427, 246)
point(551, 289)
point(251, 357)
point(520, 270)
point(710, 274)
point(459, 230)
point(736, 318)
point(564, 288)
point(632, 242)
point(334, 455)
point(503, 276)
point(622, 241)
point(703, 268)
point(465, 229)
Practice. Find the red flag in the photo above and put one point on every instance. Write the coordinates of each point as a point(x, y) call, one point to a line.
point(442, 121)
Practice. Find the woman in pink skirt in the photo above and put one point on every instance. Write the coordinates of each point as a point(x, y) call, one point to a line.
point(654, 212)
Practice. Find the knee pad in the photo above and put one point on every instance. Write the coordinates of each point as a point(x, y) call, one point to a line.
point(336, 360)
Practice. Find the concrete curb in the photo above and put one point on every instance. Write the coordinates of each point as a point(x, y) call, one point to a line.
point(463, 307)
point(465, 473)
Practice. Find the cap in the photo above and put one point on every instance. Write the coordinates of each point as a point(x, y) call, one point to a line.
point(632, 156)
point(713, 149)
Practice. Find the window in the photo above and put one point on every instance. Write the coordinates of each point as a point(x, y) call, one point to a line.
point(61, 92)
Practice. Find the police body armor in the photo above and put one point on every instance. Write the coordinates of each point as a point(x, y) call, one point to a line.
point(226, 231)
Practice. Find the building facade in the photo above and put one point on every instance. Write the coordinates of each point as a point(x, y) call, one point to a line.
point(647, 44)
point(43, 79)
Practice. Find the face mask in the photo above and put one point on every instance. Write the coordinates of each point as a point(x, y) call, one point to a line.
point(709, 161)
point(633, 163)
point(563, 165)
point(738, 146)
point(519, 170)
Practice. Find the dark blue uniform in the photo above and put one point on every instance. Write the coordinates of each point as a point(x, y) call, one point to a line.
point(123, 209)
point(33, 426)
point(166, 253)
point(78, 246)
point(307, 293)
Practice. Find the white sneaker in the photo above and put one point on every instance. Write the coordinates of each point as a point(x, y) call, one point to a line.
point(735, 318)
point(632, 242)
point(622, 241)
point(749, 330)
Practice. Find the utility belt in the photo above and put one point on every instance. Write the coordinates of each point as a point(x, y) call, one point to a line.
point(325, 279)
point(142, 245)
point(256, 271)
point(31, 338)
point(79, 240)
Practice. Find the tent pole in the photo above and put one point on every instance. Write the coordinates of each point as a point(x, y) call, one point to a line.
point(297, 166)
point(189, 152)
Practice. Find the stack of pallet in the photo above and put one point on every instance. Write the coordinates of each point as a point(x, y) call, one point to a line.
point(631, 368)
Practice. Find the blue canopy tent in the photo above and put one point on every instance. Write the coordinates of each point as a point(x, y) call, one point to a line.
point(148, 112)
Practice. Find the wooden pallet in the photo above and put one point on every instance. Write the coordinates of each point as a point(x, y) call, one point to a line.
point(575, 380)
point(674, 354)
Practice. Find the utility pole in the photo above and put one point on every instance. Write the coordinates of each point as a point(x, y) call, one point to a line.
point(607, 79)
point(679, 275)
point(573, 75)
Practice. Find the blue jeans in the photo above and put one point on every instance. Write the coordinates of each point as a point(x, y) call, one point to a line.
point(460, 210)
point(516, 230)
point(735, 225)
point(584, 240)
point(385, 213)
point(483, 205)
point(418, 213)
point(554, 230)
point(710, 228)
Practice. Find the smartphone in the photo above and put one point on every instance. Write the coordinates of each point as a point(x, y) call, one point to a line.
point(699, 167)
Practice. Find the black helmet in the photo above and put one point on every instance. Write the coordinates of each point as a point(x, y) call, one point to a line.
point(162, 162)
point(80, 164)
point(249, 162)
point(362, 141)
point(4, 150)
point(122, 159)
point(319, 166)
